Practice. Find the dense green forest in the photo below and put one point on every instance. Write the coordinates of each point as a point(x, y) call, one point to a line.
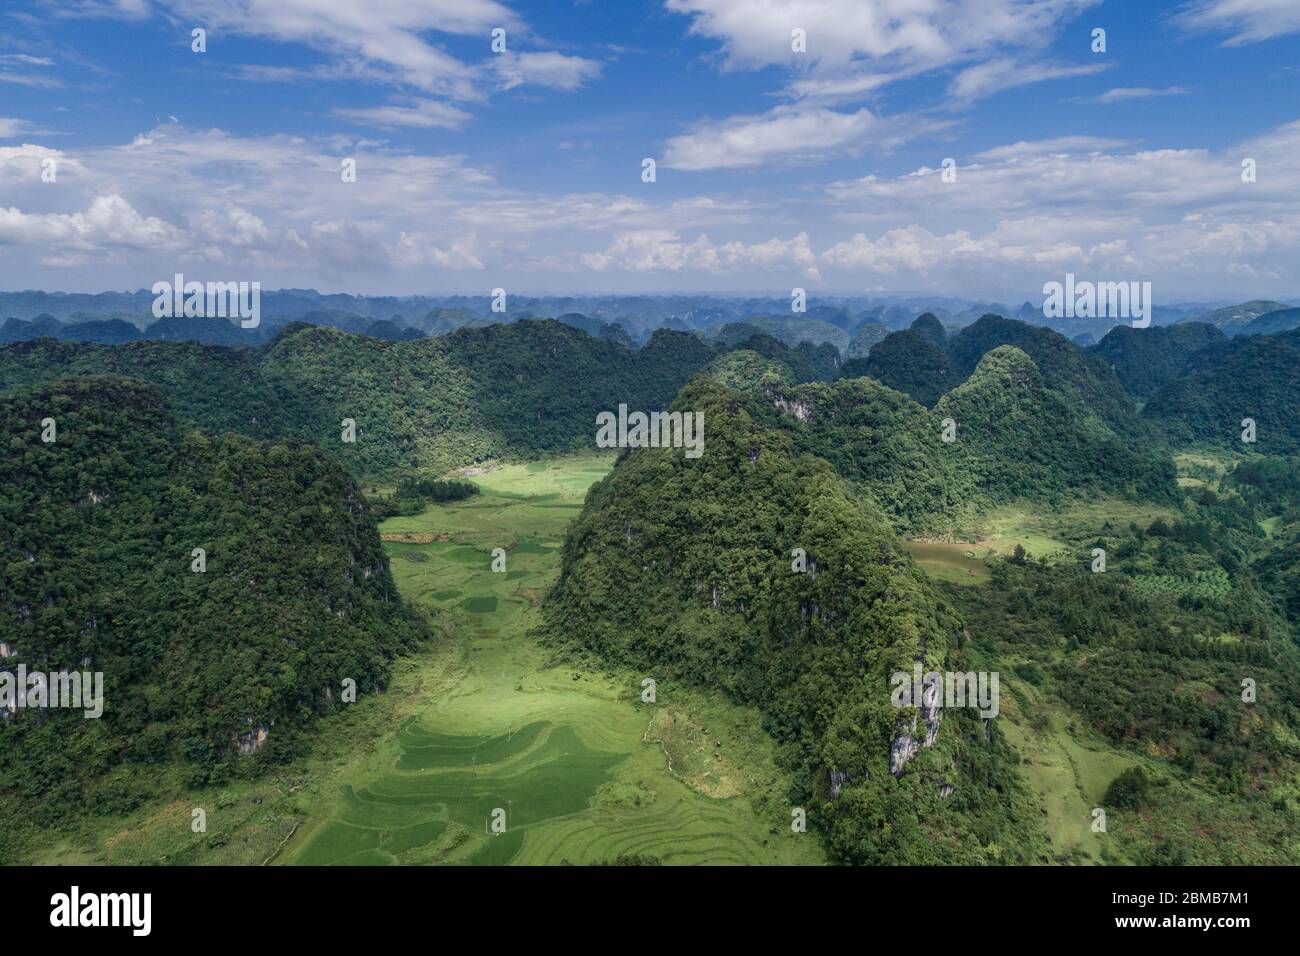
point(1027, 440)
point(884, 443)
point(928, 326)
point(203, 655)
point(1255, 377)
point(910, 363)
point(1084, 380)
point(477, 393)
point(481, 392)
point(1145, 359)
point(1013, 438)
point(806, 362)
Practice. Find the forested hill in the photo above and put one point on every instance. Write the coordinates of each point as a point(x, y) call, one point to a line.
point(927, 364)
point(1083, 380)
point(662, 572)
point(1146, 359)
point(1255, 377)
point(522, 389)
point(1026, 439)
point(911, 363)
point(98, 531)
point(1013, 437)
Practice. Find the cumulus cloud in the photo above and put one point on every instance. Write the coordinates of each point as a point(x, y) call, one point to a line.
point(844, 33)
point(108, 224)
point(855, 48)
point(1076, 203)
point(275, 206)
point(419, 248)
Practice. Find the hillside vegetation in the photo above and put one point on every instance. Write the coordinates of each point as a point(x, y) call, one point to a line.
point(660, 572)
point(1255, 377)
point(1145, 359)
point(477, 393)
point(98, 531)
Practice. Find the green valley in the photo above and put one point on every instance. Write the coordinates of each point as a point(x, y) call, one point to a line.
point(486, 718)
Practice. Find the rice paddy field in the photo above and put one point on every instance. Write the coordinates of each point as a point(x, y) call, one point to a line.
point(569, 765)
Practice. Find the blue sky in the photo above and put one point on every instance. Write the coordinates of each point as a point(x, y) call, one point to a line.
point(775, 168)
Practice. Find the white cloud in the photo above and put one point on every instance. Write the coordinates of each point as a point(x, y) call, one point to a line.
point(383, 41)
point(839, 89)
point(784, 134)
point(1042, 147)
point(855, 48)
point(384, 32)
point(554, 70)
point(1073, 202)
point(420, 248)
point(779, 134)
point(1076, 174)
point(843, 33)
point(663, 250)
point(1249, 21)
point(986, 79)
point(11, 128)
point(108, 224)
point(1122, 94)
point(422, 113)
point(26, 59)
point(274, 208)
point(27, 79)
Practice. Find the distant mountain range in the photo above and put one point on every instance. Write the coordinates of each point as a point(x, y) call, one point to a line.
point(852, 324)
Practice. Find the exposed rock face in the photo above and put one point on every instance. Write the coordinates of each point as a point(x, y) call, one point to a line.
point(252, 741)
point(839, 780)
point(7, 650)
point(800, 410)
point(947, 790)
point(906, 744)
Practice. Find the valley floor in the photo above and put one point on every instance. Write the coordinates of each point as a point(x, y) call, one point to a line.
point(577, 765)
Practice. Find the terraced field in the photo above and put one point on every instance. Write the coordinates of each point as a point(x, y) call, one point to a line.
point(573, 762)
